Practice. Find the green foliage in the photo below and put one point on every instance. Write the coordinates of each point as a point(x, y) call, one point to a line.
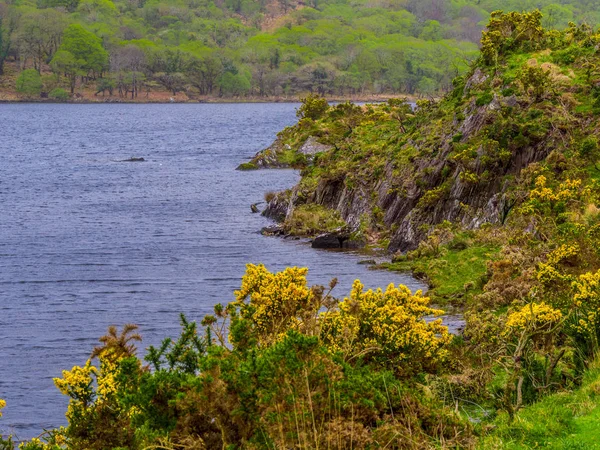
point(275, 368)
point(313, 107)
point(85, 47)
point(561, 421)
point(308, 220)
point(454, 273)
point(29, 83)
point(484, 99)
point(58, 94)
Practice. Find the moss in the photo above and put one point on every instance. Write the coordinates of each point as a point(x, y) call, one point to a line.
point(247, 166)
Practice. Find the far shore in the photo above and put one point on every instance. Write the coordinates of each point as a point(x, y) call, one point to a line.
point(165, 98)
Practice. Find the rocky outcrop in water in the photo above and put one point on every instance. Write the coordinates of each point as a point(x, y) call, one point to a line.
point(439, 183)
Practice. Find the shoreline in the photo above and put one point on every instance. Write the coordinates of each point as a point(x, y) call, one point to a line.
point(207, 100)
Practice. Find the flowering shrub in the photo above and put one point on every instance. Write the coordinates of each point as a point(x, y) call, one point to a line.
point(387, 327)
point(301, 370)
point(532, 318)
point(586, 300)
point(273, 302)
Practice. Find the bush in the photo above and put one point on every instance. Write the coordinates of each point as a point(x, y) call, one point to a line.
point(313, 107)
point(484, 99)
point(285, 365)
point(59, 94)
point(29, 83)
point(307, 220)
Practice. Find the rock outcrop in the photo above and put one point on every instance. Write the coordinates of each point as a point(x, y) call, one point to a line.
point(436, 185)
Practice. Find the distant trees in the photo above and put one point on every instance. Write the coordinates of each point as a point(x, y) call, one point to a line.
point(206, 48)
point(80, 54)
point(38, 35)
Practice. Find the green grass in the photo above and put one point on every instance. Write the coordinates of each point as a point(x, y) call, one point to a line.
point(563, 421)
point(311, 219)
point(453, 275)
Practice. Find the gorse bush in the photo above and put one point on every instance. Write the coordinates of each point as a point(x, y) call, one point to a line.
point(284, 365)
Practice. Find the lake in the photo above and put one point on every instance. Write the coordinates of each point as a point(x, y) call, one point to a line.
point(87, 240)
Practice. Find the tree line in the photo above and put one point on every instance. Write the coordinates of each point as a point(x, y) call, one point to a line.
point(238, 48)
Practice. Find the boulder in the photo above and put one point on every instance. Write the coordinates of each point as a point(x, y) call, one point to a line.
point(337, 240)
point(272, 230)
point(327, 240)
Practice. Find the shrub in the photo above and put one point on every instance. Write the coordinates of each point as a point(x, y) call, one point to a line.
point(59, 94)
point(307, 220)
point(313, 107)
point(29, 83)
point(484, 99)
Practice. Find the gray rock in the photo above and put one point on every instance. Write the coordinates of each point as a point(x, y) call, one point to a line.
point(272, 230)
point(369, 262)
point(311, 147)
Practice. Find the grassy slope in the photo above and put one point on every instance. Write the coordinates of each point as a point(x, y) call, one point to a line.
point(563, 421)
point(453, 275)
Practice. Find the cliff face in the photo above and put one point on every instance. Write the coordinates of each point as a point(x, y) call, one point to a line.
point(468, 203)
point(461, 159)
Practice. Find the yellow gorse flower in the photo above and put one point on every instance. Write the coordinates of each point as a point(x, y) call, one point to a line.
point(568, 190)
point(586, 300)
point(272, 301)
point(387, 324)
point(2, 405)
point(532, 317)
point(77, 382)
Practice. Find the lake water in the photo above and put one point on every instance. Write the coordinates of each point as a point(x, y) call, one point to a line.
point(87, 241)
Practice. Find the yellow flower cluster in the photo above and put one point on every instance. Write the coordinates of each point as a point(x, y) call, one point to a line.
point(275, 299)
point(562, 253)
point(548, 273)
point(387, 324)
point(568, 190)
point(77, 382)
point(532, 317)
point(587, 289)
point(2, 405)
point(586, 299)
point(106, 377)
point(34, 443)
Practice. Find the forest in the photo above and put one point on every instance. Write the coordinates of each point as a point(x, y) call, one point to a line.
point(129, 49)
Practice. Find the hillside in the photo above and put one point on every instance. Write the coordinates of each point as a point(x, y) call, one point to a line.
point(196, 50)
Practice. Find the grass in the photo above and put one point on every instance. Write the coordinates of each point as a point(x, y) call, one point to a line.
point(453, 275)
point(562, 421)
point(311, 219)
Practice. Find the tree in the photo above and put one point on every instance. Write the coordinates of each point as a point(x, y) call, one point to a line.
point(38, 35)
point(8, 22)
point(234, 85)
point(86, 49)
point(128, 64)
point(203, 72)
point(29, 83)
point(313, 107)
point(65, 63)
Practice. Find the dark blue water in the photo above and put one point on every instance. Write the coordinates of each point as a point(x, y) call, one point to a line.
point(86, 241)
